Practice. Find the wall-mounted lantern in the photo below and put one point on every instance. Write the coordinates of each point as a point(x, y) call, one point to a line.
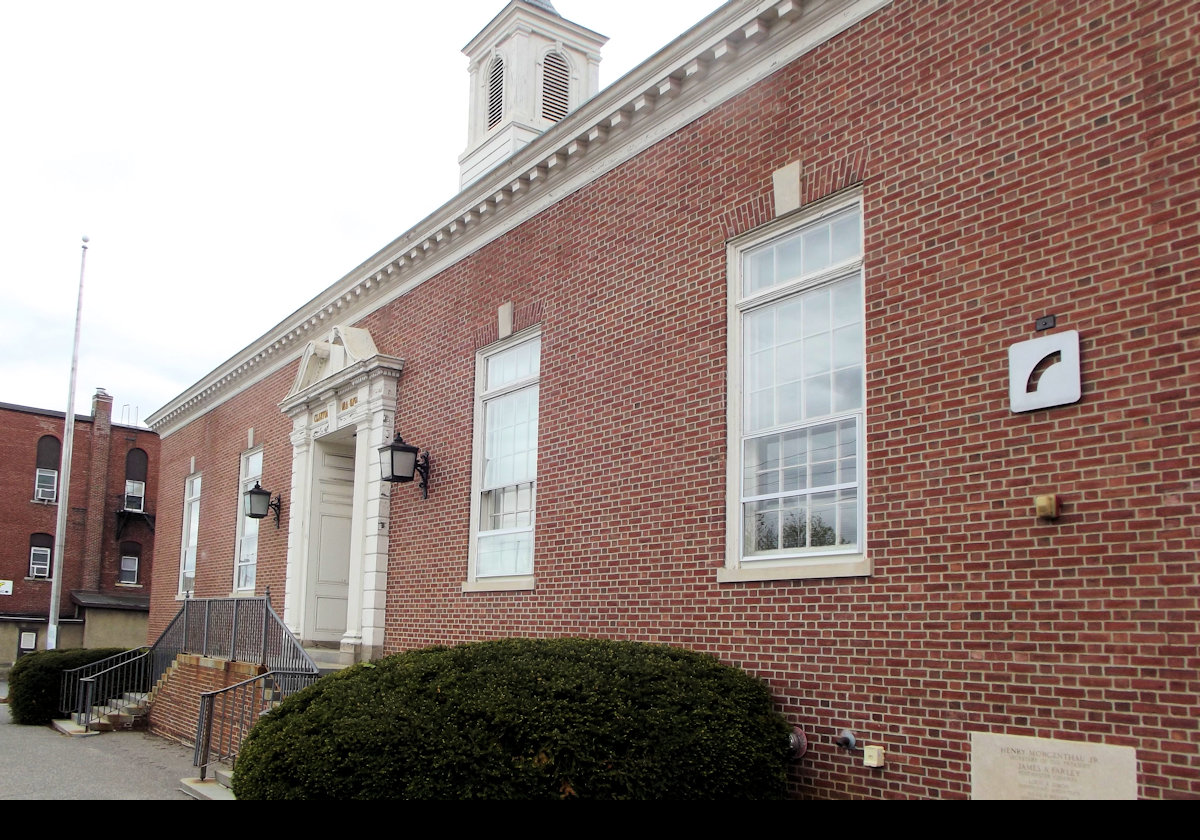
point(259, 502)
point(399, 463)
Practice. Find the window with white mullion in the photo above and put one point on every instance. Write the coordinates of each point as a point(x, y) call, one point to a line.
point(46, 485)
point(129, 570)
point(508, 469)
point(135, 496)
point(824, 246)
point(800, 490)
point(246, 565)
point(766, 497)
point(798, 327)
point(191, 532)
point(39, 562)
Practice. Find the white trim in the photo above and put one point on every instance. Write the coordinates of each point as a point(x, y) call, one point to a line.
point(807, 562)
point(511, 583)
point(359, 399)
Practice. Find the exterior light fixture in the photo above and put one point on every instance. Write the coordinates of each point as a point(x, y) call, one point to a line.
point(400, 463)
point(259, 502)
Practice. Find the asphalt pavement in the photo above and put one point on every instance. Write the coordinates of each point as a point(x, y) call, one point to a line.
point(37, 762)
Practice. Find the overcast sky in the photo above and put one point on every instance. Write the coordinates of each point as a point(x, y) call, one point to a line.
point(228, 160)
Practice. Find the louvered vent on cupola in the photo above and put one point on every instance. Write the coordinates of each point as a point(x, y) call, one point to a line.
point(496, 93)
point(555, 77)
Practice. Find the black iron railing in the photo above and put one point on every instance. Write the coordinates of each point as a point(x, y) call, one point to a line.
point(227, 715)
point(70, 697)
point(239, 629)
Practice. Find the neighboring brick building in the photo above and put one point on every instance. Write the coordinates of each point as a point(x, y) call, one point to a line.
point(109, 552)
point(722, 360)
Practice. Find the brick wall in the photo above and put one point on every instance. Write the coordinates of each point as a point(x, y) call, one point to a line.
point(92, 559)
point(216, 442)
point(23, 516)
point(1014, 160)
point(175, 706)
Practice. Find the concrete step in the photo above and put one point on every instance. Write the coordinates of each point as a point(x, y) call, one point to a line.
point(117, 715)
point(123, 720)
point(330, 659)
point(72, 728)
point(218, 785)
point(209, 789)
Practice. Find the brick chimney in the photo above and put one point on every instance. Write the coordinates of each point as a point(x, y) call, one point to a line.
point(98, 452)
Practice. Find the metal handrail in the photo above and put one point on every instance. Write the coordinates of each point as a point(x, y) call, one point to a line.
point(228, 714)
point(237, 629)
point(68, 694)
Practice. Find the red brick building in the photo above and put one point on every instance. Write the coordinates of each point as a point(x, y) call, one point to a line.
point(736, 356)
point(109, 552)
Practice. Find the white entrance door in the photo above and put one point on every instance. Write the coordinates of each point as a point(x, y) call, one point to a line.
point(329, 549)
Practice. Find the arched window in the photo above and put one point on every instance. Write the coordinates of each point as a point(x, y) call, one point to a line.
point(135, 480)
point(131, 557)
point(555, 78)
point(41, 550)
point(496, 93)
point(45, 482)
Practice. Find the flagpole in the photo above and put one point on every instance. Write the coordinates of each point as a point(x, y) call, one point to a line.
point(64, 474)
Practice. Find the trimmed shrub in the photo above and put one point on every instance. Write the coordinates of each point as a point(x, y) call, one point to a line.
point(523, 719)
point(36, 678)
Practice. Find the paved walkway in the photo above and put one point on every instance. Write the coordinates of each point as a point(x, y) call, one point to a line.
point(36, 762)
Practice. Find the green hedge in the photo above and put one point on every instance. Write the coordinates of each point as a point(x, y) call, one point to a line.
point(523, 719)
point(36, 678)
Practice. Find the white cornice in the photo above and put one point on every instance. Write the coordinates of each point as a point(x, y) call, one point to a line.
point(718, 58)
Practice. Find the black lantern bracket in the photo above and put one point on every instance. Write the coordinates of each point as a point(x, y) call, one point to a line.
point(259, 502)
point(423, 469)
point(400, 463)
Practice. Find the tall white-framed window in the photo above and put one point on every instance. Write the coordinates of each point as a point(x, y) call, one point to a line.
point(246, 565)
point(796, 481)
point(41, 553)
point(504, 474)
point(191, 531)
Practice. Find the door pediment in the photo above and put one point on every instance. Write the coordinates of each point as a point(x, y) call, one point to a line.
point(334, 368)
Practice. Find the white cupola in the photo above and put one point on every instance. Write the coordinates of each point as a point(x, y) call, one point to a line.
point(530, 67)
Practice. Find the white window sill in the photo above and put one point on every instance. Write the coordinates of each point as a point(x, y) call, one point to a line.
point(129, 585)
point(841, 565)
point(45, 502)
point(38, 579)
point(516, 583)
point(242, 593)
